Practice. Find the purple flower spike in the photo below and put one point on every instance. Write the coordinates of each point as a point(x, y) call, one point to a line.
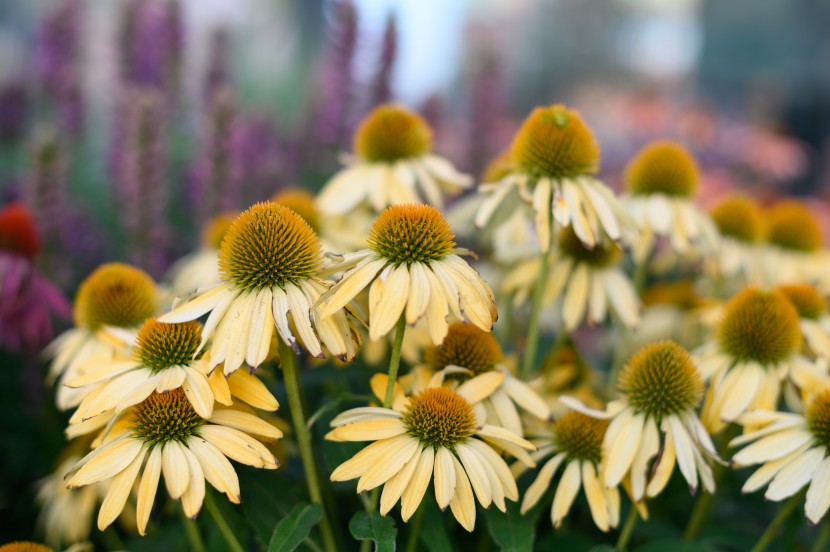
point(382, 86)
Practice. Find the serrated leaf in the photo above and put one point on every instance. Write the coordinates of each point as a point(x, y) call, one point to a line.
point(374, 527)
point(511, 531)
point(294, 528)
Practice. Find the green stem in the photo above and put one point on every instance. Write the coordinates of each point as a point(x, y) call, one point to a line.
point(415, 529)
point(640, 276)
point(529, 358)
point(822, 538)
point(775, 524)
point(222, 524)
point(292, 389)
point(628, 528)
point(191, 529)
point(394, 362)
point(699, 514)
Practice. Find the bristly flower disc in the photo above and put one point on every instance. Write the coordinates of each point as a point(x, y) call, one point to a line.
point(115, 294)
point(406, 234)
point(792, 226)
point(160, 346)
point(601, 255)
point(741, 218)
point(466, 346)
point(165, 417)
point(439, 417)
point(390, 133)
point(663, 167)
point(806, 299)
point(580, 436)
point(301, 202)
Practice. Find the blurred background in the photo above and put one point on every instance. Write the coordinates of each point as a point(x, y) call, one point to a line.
point(126, 124)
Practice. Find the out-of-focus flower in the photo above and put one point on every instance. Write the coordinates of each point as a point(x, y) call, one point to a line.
point(554, 155)
point(25, 546)
point(201, 268)
point(111, 304)
point(66, 515)
point(565, 372)
point(575, 442)
point(814, 319)
point(661, 181)
point(412, 270)
point(151, 40)
point(393, 163)
point(14, 111)
point(793, 252)
point(46, 193)
point(654, 424)
point(587, 279)
point(28, 301)
point(165, 430)
point(434, 434)
point(740, 222)
point(793, 450)
point(268, 260)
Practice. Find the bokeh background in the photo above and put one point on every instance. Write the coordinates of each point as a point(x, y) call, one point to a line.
point(126, 124)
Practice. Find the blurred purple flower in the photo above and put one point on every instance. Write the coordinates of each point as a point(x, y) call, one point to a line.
point(261, 156)
point(336, 79)
point(151, 44)
point(382, 84)
point(45, 191)
point(28, 301)
point(14, 111)
point(141, 180)
point(488, 105)
point(217, 77)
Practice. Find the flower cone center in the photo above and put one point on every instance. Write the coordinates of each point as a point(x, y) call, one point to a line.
point(165, 417)
point(115, 294)
point(390, 133)
point(160, 346)
point(580, 436)
point(662, 167)
point(439, 417)
point(406, 234)
point(466, 346)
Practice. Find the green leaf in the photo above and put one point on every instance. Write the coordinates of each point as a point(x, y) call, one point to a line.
point(293, 529)
point(605, 548)
point(436, 538)
point(512, 531)
point(676, 546)
point(374, 527)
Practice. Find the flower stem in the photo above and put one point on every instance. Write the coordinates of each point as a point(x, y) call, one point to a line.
point(292, 389)
point(628, 528)
point(222, 524)
point(775, 524)
point(415, 529)
point(529, 358)
point(191, 529)
point(822, 537)
point(640, 276)
point(394, 362)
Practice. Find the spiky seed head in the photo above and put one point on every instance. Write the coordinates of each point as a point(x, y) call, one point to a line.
point(663, 167)
point(406, 234)
point(580, 436)
point(269, 245)
point(25, 546)
point(498, 167)
point(115, 294)
point(602, 255)
point(160, 346)
point(759, 326)
point(301, 202)
point(390, 133)
point(792, 226)
point(439, 417)
point(467, 346)
point(216, 228)
point(18, 233)
point(165, 417)
point(740, 217)
point(661, 380)
point(554, 142)
point(806, 299)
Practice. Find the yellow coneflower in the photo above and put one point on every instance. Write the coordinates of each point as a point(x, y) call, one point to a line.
point(393, 163)
point(554, 157)
point(654, 424)
point(412, 269)
point(111, 304)
point(794, 450)
point(435, 434)
point(661, 181)
point(793, 251)
point(65, 515)
point(573, 442)
point(268, 261)
point(25, 546)
point(564, 372)
point(200, 269)
point(587, 279)
point(468, 351)
point(740, 222)
point(175, 441)
point(755, 347)
point(812, 312)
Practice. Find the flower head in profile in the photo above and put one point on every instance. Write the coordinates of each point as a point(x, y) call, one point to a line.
point(200, 269)
point(755, 347)
point(469, 351)
point(793, 451)
point(164, 435)
point(573, 442)
point(661, 181)
point(28, 301)
point(741, 225)
point(268, 260)
point(412, 269)
point(654, 425)
point(793, 251)
point(554, 156)
point(588, 280)
point(435, 434)
point(110, 306)
point(393, 163)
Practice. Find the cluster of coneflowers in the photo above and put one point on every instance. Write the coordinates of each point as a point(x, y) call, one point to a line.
point(163, 382)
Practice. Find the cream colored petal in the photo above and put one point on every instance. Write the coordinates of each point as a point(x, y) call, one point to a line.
point(683, 446)
point(119, 491)
point(596, 496)
point(619, 451)
point(104, 462)
point(597, 301)
point(623, 296)
point(216, 468)
point(463, 505)
point(394, 488)
point(364, 413)
point(393, 461)
point(795, 475)
point(738, 390)
point(648, 449)
point(370, 430)
point(503, 435)
point(363, 460)
point(175, 469)
point(541, 483)
point(498, 466)
point(419, 293)
point(238, 332)
point(344, 191)
point(195, 493)
point(100, 370)
point(250, 389)
point(196, 307)
point(542, 194)
point(818, 495)
point(147, 489)
point(246, 422)
point(773, 447)
point(566, 492)
point(477, 474)
point(169, 379)
point(502, 412)
point(262, 328)
point(663, 468)
point(279, 307)
point(576, 296)
point(214, 319)
point(448, 285)
point(300, 309)
point(766, 472)
point(480, 387)
point(378, 384)
point(197, 390)
point(604, 212)
point(414, 492)
point(238, 446)
point(524, 395)
point(437, 310)
point(387, 299)
point(444, 477)
point(349, 286)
